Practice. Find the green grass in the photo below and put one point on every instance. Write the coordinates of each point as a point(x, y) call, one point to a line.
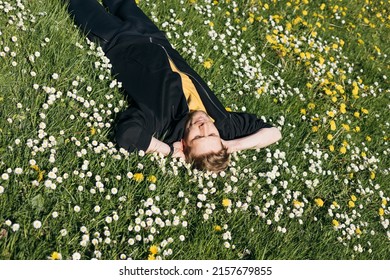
point(57, 152)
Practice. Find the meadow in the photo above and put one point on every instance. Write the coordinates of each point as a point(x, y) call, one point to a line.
point(318, 70)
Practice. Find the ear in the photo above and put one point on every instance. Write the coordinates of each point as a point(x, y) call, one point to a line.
point(183, 143)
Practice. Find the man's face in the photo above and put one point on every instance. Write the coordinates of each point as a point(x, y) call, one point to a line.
point(201, 135)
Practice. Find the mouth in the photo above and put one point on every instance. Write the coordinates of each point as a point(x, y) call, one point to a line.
point(196, 118)
point(199, 120)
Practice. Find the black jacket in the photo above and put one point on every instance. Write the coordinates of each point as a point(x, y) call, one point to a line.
point(159, 107)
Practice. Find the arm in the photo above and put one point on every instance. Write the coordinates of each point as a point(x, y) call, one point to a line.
point(158, 146)
point(161, 147)
point(259, 139)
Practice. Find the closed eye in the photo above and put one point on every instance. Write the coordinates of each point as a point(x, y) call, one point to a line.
point(210, 135)
point(199, 136)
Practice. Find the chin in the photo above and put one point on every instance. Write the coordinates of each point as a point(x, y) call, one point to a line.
point(194, 115)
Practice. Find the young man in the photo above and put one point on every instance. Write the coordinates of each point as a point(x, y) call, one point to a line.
point(173, 110)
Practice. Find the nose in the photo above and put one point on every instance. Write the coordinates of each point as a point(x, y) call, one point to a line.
point(204, 128)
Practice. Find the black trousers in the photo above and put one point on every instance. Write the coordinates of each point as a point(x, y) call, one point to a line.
point(117, 19)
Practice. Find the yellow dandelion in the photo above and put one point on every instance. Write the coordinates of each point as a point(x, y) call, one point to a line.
point(297, 203)
point(152, 179)
point(319, 202)
point(368, 138)
point(355, 91)
point(372, 175)
point(340, 88)
point(384, 201)
point(151, 257)
point(330, 137)
point(330, 114)
point(378, 50)
point(55, 256)
point(381, 211)
point(138, 177)
point(335, 204)
point(35, 167)
point(357, 129)
point(271, 39)
point(358, 231)
point(226, 202)
point(351, 204)
point(93, 130)
point(40, 175)
point(208, 63)
point(327, 48)
point(364, 111)
point(332, 125)
point(335, 223)
point(331, 148)
point(353, 197)
point(346, 127)
point(343, 108)
point(228, 109)
point(311, 106)
point(314, 128)
point(217, 228)
point(343, 150)
point(153, 249)
point(303, 111)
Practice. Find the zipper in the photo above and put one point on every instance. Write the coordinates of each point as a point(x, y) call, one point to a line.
point(204, 90)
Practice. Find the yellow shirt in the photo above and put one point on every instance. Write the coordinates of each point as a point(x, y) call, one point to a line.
point(193, 99)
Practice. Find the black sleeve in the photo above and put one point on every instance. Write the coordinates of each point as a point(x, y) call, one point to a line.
point(239, 125)
point(132, 131)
